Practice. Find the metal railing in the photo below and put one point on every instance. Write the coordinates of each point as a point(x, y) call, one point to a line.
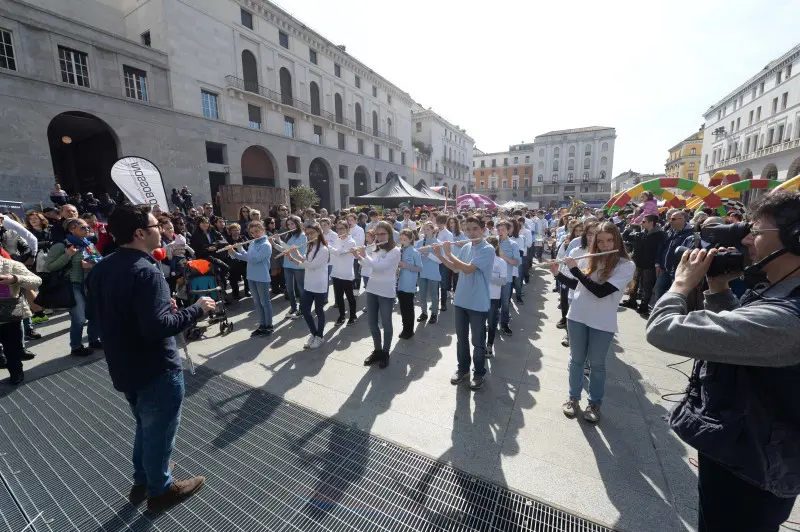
point(316, 110)
point(775, 148)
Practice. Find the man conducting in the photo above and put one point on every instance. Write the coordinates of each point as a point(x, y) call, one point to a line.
point(138, 321)
point(739, 411)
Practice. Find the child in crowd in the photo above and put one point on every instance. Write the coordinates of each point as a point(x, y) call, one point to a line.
point(410, 266)
point(498, 281)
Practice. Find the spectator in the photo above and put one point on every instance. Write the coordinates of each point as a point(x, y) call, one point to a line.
point(646, 243)
point(186, 196)
point(257, 257)
point(15, 279)
point(91, 204)
point(177, 200)
point(58, 196)
point(205, 239)
point(106, 205)
point(238, 268)
point(98, 233)
point(67, 212)
point(666, 261)
point(244, 217)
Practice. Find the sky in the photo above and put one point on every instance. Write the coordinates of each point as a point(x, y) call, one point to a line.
point(510, 70)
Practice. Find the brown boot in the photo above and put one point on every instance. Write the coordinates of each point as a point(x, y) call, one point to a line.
point(177, 492)
point(138, 493)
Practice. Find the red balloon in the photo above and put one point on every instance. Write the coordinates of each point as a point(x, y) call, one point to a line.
point(159, 254)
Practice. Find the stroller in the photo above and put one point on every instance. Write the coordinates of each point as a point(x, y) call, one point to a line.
point(202, 278)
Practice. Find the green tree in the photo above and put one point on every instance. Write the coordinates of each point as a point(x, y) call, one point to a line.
point(304, 197)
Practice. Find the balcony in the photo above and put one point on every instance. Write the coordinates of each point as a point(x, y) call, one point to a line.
point(238, 84)
point(763, 152)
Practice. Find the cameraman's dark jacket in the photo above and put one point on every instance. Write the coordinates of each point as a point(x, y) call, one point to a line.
point(666, 253)
point(740, 409)
point(645, 246)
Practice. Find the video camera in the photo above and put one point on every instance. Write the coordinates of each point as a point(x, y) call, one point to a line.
point(723, 235)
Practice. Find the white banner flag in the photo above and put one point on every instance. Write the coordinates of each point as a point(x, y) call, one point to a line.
point(140, 181)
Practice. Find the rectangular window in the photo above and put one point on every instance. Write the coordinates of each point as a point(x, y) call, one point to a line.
point(691, 176)
point(247, 19)
point(738, 123)
point(403, 158)
point(293, 164)
point(505, 184)
point(789, 71)
point(288, 126)
point(135, 83)
point(358, 82)
point(527, 158)
point(758, 113)
point(750, 119)
point(341, 141)
point(7, 59)
point(361, 146)
point(419, 127)
point(210, 109)
point(779, 77)
point(337, 70)
point(516, 160)
point(761, 88)
point(746, 148)
point(784, 100)
point(753, 95)
point(342, 171)
point(74, 67)
point(377, 152)
point(283, 39)
point(391, 155)
point(494, 163)
point(389, 99)
point(780, 134)
point(770, 136)
point(374, 91)
point(312, 56)
point(215, 153)
point(254, 116)
point(378, 177)
point(505, 161)
point(317, 134)
point(483, 164)
point(145, 38)
point(775, 105)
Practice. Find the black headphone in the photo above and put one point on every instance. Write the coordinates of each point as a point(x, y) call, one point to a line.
point(789, 232)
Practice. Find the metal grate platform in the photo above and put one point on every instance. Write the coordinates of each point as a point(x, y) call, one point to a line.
point(271, 465)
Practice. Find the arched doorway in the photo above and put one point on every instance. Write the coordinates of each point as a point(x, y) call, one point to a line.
point(319, 177)
point(249, 71)
point(422, 182)
point(794, 169)
point(315, 107)
point(747, 195)
point(769, 172)
point(358, 116)
point(391, 175)
point(337, 106)
point(258, 167)
point(286, 87)
point(83, 149)
point(361, 181)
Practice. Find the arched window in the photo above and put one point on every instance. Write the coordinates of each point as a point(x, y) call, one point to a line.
point(604, 147)
point(389, 126)
point(603, 160)
point(541, 152)
point(556, 153)
point(358, 116)
point(540, 178)
point(571, 164)
point(693, 152)
point(375, 123)
point(315, 107)
point(337, 108)
point(286, 87)
point(588, 150)
point(249, 71)
point(602, 174)
point(586, 163)
point(555, 166)
point(570, 177)
point(572, 151)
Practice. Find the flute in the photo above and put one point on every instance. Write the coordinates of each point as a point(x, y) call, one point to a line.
point(288, 250)
point(561, 261)
point(459, 243)
point(371, 247)
point(236, 245)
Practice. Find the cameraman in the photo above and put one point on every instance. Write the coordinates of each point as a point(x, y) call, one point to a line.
point(739, 411)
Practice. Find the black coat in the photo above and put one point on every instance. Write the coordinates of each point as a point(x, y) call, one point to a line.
point(645, 245)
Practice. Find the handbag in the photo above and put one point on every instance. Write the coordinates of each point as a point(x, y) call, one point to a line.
point(56, 291)
point(9, 306)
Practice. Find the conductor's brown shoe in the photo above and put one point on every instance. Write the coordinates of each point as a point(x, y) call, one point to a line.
point(177, 492)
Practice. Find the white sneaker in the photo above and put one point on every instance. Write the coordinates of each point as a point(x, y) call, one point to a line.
point(309, 341)
point(317, 342)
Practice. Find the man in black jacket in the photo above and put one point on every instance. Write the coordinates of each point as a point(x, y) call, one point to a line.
point(138, 322)
point(646, 243)
point(666, 262)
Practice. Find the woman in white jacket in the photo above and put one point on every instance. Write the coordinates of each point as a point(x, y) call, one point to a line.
point(15, 279)
point(315, 264)
point(342, 272)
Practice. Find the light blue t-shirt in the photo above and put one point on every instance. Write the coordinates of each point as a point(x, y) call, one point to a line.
point(510, 249)
point(408, 279)
point(300, 242)
point(430, 268)
point(575, 243)
point(472, 292)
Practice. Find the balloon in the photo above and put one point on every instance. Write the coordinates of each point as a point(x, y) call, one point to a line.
point(159, 254)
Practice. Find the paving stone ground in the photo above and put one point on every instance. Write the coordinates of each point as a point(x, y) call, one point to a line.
point(628, 472)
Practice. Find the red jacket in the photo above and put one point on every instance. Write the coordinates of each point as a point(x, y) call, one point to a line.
point(103, 236)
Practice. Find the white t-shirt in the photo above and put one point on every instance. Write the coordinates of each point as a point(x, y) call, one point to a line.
point(383, 280)
point(358, 235)
point(366, 267)
point(528, 234)
point(341, 258)
point(522, 243)
point(601, 312)
point(499, 276)
point(411, 224)
point(444, 235)
point(316, 267)
point(575, 253)
point(331, 237)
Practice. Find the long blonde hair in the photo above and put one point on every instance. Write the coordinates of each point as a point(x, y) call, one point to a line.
point(605, 264)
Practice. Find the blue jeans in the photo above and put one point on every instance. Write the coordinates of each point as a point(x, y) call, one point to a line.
point(505, 303)
point(78, 315)
point(366, 281)
point(587, 343)
point(259, 290)
point(494, 314)
point(318, 328)
point(157, 410)
point(429, 290)
point(474, 322)
point(663, 283)
point(382, 305)
point(291, 275)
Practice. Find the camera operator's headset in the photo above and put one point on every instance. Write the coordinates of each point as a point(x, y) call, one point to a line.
point(789, 235)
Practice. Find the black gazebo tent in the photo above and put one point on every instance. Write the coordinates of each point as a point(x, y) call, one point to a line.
point(425, 189)
point(395, 191)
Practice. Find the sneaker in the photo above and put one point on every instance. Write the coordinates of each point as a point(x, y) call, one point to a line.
point(505, 329)
point(27, 355)
point(32, 335)
point(384, 361)
point(97, 344)
point(352, 321)
point(290, 314)
point(267, 332)
point(571, 408)
point(270, 328)
point(259, 331)
point(81, 351)
point(489, 351)
point(565, 340)
point(339, 321)
point(629, 303)
point(644, 314)
point(36, 320)
point(422, 318)
point(374, 357)
point(562, 323)
point(476, 383)
point(433, 320)
point(443, 307)
point(296, 315)
point(520, 302)
point(592, 413)
point(177, 492)
point(459, 377)
point(309, 341)
point(138, 493)
point(316, 342)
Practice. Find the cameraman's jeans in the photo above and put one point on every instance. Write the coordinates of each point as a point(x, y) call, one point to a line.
point(729, 503)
